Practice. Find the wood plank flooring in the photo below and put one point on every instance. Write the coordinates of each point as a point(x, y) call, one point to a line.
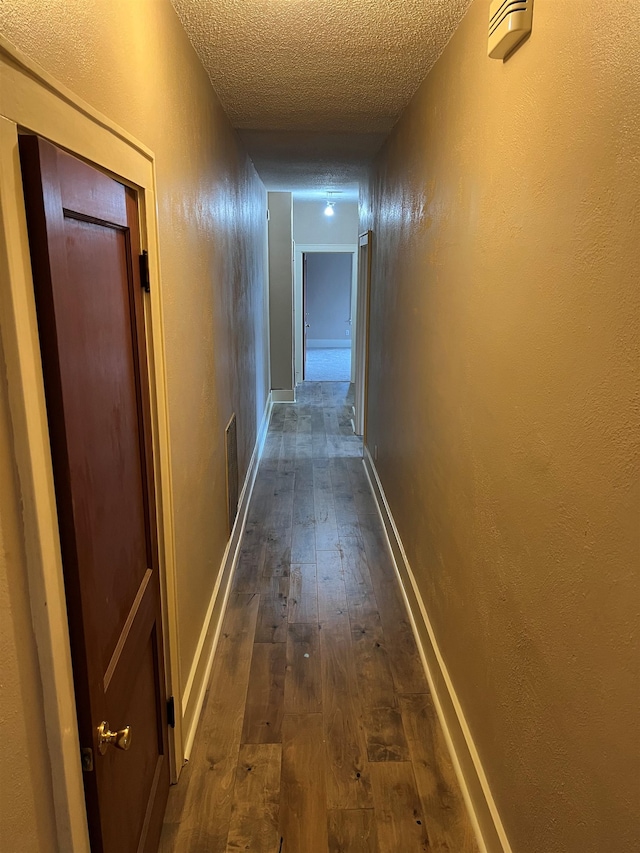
point(318, 733)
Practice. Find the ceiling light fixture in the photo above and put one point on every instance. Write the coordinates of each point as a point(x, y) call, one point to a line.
point(329, 211)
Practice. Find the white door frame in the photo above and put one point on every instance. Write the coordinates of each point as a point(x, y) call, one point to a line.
point(362, 336)
point(33, 100)
point(299, 250)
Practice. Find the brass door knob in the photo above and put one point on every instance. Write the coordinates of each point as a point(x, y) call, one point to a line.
point(120, 739)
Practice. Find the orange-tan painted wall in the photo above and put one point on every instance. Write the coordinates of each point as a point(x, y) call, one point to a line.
point(133, 62)
point(503, 399)
point(27, 821)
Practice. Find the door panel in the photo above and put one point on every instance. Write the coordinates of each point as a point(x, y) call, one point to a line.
point(83, 232)
point(98, 373)
point(128, 798)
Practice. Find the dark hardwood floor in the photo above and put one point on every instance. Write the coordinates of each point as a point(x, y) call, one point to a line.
point(318, 733)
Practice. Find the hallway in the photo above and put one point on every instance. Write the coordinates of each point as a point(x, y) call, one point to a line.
point(491, 202)
point(318, 732)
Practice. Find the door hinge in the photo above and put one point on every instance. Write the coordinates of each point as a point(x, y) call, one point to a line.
point(86, 759)
point(144, 271)
point(171, 712)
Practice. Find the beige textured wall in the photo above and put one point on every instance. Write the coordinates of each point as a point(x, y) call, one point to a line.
point(281, 290)
point(27, 821)
point(503, 398)
point(310, 225)
point(132, 61)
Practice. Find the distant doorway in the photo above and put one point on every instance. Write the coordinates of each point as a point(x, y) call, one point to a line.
point(300, 251)
point(327, 299)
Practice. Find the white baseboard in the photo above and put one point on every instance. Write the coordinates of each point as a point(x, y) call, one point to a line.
point(285, 396)
point(198, 680)
point(321, 343)
point(482, 809)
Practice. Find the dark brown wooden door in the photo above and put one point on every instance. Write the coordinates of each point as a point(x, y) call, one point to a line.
point(83, 232)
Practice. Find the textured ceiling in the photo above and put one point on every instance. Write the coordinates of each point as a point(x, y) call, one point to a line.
point(314, 86)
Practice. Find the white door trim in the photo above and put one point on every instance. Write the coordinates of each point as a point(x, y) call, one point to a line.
point(362, 336)
point(299, 249)
point(33, 100)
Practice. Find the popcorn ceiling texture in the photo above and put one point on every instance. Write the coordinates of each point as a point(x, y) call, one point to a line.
point(338, 74)
point(311, 160)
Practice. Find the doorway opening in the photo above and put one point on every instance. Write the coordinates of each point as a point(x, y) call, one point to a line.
point(81, 223)
point(327, 315)
point(325, 291)
point(52, 112)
